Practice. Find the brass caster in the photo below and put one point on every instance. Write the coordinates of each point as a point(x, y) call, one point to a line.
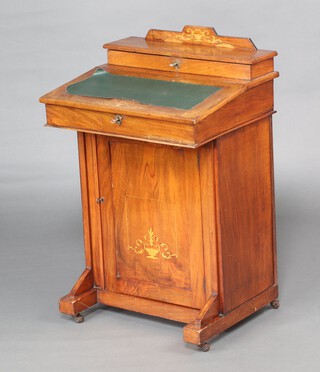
point(78, 318)
point(275, 304)
point(204, 347)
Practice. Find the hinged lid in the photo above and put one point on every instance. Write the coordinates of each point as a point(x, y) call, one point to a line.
point(194, 42)
point(179, 88)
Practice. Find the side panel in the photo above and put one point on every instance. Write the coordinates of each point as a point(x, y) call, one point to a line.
point(245, 213)
point(84, 198)
point(156, 250)
point(208, 201)
point(88, 144)
point(247, 107)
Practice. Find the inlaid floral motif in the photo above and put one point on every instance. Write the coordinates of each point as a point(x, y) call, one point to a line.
point(152, 247)
point(197, 35)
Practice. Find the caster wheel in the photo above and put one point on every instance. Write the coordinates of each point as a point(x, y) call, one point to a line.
point(275, 304)
point(204, 347)
point(78, 318)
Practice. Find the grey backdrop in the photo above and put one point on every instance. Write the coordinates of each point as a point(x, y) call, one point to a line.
point(46, 43)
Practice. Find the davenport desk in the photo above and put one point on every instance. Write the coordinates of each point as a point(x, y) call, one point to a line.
point(176, 168)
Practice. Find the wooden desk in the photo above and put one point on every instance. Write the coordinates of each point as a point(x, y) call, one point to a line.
point(177, 188)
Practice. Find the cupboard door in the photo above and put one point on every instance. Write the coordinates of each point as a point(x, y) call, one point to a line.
point(151, 221)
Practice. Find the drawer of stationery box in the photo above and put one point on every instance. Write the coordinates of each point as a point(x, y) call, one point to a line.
point(184, 65)
point(119, 125)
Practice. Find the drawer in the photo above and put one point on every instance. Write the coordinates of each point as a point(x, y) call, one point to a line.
point(184, 65)
point(125, 126)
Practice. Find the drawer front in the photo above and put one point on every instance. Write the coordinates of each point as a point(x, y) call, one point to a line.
point(184, 65)
point(120, 125)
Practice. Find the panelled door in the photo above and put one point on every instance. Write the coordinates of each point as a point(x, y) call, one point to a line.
point(151, 221)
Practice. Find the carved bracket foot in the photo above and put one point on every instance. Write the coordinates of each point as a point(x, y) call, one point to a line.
point(210, 323)
point(82, 296)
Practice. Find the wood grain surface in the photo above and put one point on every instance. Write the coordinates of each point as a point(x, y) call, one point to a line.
point(245, 216)
point(150, 191)
point(178, 205)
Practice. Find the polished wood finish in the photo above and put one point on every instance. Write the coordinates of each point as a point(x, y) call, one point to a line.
point(206, 158)
point(204, 44)
point(95, 212)
point(84, 283)
point(200, 52)
point(186, 65)
point(153, 187)
point(73, 305)
point(178, 205)
point(146, 306)
point(231, 88)
point(85, 199)
point(195, 334)
point(262, 68)
point(82, 296)
point(131, 127)
point(208, 312)
point(199, 35)
point(220, 113)
point(242, 110)
point(245, 233)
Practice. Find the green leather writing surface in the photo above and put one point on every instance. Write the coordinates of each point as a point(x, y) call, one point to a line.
point(103, 84)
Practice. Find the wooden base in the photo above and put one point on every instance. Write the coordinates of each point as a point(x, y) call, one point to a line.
point(73, 305)
point(198, 335)
point(150, 307)
point(82, 296)
point(203, 324)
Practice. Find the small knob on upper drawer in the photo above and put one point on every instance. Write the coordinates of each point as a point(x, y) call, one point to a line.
point(117, 119)
point(176, 64)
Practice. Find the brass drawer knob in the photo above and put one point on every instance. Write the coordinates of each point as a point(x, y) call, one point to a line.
point(117, 119)
point(176, 64)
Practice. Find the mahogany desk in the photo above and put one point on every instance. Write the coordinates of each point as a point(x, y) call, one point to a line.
point(175, 149)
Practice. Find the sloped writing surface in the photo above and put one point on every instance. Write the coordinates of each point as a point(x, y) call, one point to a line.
point(103, 84)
